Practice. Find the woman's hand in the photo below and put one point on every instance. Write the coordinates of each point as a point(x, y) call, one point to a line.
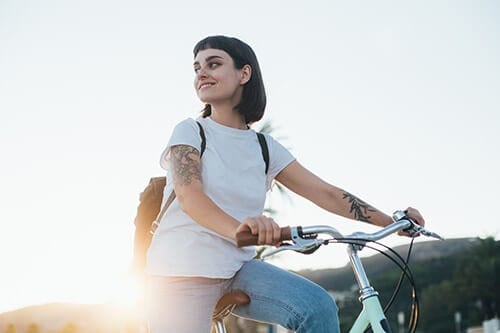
point(415, 216)
point(265, 228)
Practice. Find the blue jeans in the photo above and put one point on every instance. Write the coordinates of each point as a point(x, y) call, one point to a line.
point(276, 296)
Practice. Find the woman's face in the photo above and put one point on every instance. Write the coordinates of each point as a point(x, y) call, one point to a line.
point(217, 81)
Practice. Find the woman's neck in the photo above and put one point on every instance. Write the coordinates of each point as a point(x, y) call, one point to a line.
point(230, 118)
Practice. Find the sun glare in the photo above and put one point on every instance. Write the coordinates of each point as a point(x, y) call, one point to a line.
point(126, 292)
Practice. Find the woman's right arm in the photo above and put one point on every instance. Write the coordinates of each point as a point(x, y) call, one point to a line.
point(188, 186)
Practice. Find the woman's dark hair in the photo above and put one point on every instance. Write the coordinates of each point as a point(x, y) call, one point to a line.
point(253, 99)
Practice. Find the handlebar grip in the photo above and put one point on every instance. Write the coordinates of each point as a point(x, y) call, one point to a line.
point(246, 238)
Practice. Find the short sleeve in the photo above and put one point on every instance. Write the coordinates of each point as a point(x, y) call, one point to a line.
point(279, 158)
point(187, 133)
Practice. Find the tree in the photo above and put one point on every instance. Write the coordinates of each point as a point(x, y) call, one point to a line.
point(471, 290)
point(11, 328)
point(33, 328)
point(478, 276)
point(69, 328)
point(437, 314)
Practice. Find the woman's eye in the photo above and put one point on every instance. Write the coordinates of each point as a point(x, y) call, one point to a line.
point(211, 65)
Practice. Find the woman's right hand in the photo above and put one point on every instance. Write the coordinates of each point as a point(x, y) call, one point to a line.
point(267, 230)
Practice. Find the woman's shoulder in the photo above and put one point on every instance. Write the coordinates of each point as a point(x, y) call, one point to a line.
point(186, 124)
point(189, 121)
point(276, 147)
point(270, 139)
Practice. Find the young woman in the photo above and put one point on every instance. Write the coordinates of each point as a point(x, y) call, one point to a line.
point(193, 259)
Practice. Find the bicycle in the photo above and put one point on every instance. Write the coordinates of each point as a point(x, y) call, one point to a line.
point(306, 240)
point(225, 306)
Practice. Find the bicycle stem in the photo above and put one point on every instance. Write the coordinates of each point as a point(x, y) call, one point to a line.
point(365, 289)
point(372, 313)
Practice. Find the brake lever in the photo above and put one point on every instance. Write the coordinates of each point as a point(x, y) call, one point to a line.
point(415, 229)
point(305, 246)
point(311, 248)
point(273, 250)
point(422, 231)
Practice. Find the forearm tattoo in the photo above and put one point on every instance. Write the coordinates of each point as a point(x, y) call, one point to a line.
point(186, 165)
point(359, 208)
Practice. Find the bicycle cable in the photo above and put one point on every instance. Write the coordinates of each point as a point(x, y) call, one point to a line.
point(402, 264)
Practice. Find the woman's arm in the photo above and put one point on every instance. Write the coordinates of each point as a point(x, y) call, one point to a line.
point(188, 187)
point(333, 199)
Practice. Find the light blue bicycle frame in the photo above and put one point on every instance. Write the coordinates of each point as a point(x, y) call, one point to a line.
point(372, 312)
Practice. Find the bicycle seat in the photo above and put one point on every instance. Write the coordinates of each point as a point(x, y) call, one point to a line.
point(228, 302)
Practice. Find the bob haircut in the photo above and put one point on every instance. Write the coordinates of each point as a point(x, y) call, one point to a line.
point(253, 99)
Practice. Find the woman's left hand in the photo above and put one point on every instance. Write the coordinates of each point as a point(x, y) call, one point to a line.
point(415, 216)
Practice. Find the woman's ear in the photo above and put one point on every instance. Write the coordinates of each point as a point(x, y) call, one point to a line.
point(246, 74)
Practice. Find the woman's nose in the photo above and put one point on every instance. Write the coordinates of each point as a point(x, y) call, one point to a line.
point(201, 73)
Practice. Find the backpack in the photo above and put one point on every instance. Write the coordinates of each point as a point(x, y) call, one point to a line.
point(148, 214)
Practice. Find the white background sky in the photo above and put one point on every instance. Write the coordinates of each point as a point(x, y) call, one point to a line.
point(394, 101)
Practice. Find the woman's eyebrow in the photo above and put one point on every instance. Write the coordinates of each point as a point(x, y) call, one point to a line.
point(207, 59)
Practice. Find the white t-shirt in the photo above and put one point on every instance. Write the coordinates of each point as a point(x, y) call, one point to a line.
point(233, 176)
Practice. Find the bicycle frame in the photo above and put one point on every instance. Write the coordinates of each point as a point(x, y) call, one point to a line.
point(372, 312)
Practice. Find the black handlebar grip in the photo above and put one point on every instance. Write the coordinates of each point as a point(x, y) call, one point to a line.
point(246, 238)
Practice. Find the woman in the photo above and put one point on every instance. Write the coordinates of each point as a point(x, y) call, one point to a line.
point(193, 259)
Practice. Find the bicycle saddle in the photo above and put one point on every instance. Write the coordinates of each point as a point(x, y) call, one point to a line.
point(228, 302)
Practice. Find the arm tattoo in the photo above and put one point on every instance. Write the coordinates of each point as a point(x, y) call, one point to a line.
point(186, 164)
point(359, 208)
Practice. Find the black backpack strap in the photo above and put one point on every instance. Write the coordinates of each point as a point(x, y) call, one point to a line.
point(264, 148)
point(203, 139)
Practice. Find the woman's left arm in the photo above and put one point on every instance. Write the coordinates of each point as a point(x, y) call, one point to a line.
point(333, 199)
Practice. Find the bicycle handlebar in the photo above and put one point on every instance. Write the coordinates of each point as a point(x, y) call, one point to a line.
point(305, 238)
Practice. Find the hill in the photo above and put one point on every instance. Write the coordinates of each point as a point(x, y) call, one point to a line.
point(67, 318)
point(338, 279)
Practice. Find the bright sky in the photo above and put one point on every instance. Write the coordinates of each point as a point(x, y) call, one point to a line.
point(394, 101)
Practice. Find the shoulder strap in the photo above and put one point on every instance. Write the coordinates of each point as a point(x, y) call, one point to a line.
point(203, 139)
point(156, 222)
point(171, 197)
point(264, 148)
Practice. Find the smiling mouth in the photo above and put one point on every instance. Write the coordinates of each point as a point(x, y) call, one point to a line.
point(205, 85)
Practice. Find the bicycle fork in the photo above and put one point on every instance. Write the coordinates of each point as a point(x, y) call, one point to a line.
point(372, 313)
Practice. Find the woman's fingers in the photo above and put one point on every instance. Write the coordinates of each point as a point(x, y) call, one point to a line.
point(415, 216)
point(266, 229)
point(276, 234)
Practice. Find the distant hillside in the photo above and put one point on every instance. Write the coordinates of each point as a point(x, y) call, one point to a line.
point(59, 317)
point(338, 279)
